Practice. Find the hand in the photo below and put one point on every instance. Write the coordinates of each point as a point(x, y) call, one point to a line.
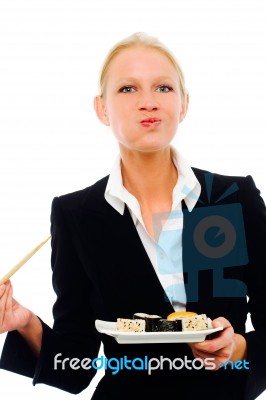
point(226, 345)
point(13, 316)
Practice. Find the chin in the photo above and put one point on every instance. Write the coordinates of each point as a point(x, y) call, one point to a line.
point(146, 147)
point(153, 149)
point(155, 146)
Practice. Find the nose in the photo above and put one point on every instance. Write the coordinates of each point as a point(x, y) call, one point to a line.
point(147, 102)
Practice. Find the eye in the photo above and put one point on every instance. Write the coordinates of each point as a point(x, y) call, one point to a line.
point(127, 89)
point(164, 89)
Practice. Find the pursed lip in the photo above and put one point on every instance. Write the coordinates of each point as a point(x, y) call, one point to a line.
point(150, 121)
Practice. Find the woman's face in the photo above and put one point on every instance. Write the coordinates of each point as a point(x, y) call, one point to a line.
point(142, 102)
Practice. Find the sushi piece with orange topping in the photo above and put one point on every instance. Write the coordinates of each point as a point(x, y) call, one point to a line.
point(180, 314)
point(191, 321)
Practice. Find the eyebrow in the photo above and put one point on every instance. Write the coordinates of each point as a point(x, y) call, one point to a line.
point(132, 79)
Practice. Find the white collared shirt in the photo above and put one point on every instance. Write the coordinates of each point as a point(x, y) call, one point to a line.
point(165, 253)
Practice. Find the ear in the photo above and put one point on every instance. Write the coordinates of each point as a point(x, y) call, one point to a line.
point(184, 108)
point(100, 109)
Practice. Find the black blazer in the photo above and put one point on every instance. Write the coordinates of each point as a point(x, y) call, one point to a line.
point(101, 271)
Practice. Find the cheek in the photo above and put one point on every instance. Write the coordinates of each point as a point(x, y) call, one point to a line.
point(114, 109)
point(117, 123)
point(121, 114)
point(172, 105)
point(177, 113)
point(115, 118)
point(173, 114)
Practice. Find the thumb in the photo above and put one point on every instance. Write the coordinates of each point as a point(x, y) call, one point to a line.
point(216, 323)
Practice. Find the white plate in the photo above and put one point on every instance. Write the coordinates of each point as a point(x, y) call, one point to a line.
point(109, 328)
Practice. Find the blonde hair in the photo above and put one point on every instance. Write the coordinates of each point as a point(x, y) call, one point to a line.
point(140, 39)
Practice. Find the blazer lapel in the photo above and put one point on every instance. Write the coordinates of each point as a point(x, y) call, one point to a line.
point(114, 257)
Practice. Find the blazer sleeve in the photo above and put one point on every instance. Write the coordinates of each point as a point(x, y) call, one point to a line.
point(73, 334)
point(255, 227)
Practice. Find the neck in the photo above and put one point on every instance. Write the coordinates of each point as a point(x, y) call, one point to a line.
point(150, 177)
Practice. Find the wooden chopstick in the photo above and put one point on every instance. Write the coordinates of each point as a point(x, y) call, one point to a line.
point(23, 261)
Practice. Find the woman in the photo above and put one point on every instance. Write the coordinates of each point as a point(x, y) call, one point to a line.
point(130, 243)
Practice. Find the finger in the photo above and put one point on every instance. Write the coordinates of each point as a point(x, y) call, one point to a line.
point(2, 290)
point(216, 358)
point(6, 301)
point(223, 353)
point(9, 299)
point(216, 346)
point(3, 300)
point(206, 358)
point(219, 344)
point(3, 294)
point(221, 339)
point(221, 321)
point(3, 287)
point(199, 354)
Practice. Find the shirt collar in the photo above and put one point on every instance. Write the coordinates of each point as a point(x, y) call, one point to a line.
point(114, 192)
point(187, 187)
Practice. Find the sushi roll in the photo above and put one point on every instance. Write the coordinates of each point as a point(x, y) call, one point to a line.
point(191, 321)
point(130, 325)
point(196, 323)
point(166, 325)
point(151, 321)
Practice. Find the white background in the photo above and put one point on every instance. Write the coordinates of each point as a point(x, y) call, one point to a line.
point(52, 143)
